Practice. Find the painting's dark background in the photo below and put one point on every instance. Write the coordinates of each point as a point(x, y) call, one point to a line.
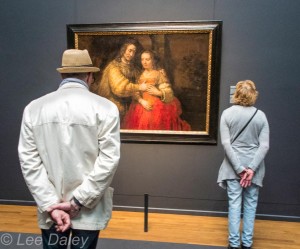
point(260, 42)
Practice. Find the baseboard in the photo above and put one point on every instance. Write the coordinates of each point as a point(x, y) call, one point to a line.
point(204, 213)
point(17, 202)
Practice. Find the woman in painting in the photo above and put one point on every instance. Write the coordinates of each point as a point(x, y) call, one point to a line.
point(157, 108)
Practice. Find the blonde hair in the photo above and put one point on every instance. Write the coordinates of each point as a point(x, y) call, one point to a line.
point(245, 93)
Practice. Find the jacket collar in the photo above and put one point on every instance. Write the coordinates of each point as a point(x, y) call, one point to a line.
point(73, 82)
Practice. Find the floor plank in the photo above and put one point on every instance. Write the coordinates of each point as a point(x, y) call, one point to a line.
point(200, 230)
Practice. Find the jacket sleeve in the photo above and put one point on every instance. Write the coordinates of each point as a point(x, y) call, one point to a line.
point(119, 84)
point(263, 145)
point(90, 192)
point(226, 142)
point(32, 167)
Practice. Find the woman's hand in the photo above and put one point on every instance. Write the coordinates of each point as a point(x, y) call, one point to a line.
point(143, 86)
point(145, 104)
point(152, 90)
point(246, 178)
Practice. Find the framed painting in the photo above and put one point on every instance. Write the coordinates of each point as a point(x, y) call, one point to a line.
point(163, 77)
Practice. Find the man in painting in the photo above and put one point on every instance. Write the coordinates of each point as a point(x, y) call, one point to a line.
point(118, 80)
point(69, 150)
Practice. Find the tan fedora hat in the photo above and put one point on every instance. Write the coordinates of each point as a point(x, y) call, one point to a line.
point(77, 61)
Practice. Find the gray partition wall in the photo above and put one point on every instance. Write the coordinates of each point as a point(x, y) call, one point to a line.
point(260, 41)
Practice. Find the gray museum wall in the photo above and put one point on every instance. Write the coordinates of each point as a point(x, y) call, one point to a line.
point(260, 41)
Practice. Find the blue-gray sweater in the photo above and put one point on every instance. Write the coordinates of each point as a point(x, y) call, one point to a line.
point(249, 149)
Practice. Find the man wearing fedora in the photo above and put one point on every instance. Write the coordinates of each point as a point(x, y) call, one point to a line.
point(69, 149)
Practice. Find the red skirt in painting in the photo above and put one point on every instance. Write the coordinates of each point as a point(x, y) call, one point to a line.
point(163, 116)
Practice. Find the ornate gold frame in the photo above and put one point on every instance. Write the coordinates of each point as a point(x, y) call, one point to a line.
point(84, 36)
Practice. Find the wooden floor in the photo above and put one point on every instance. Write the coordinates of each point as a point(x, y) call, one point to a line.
point(200, 230)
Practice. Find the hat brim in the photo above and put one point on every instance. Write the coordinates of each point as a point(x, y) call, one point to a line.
point(78, 69)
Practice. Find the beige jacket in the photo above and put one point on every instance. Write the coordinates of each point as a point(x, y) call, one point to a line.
point(70, 146)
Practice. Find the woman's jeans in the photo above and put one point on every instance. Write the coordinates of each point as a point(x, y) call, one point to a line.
point(236, 196)
point(77, 239)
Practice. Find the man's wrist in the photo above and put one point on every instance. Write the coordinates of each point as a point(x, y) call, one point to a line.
point(50, 211)
point(77, 202)
point(75, 206)
point(74, 209)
